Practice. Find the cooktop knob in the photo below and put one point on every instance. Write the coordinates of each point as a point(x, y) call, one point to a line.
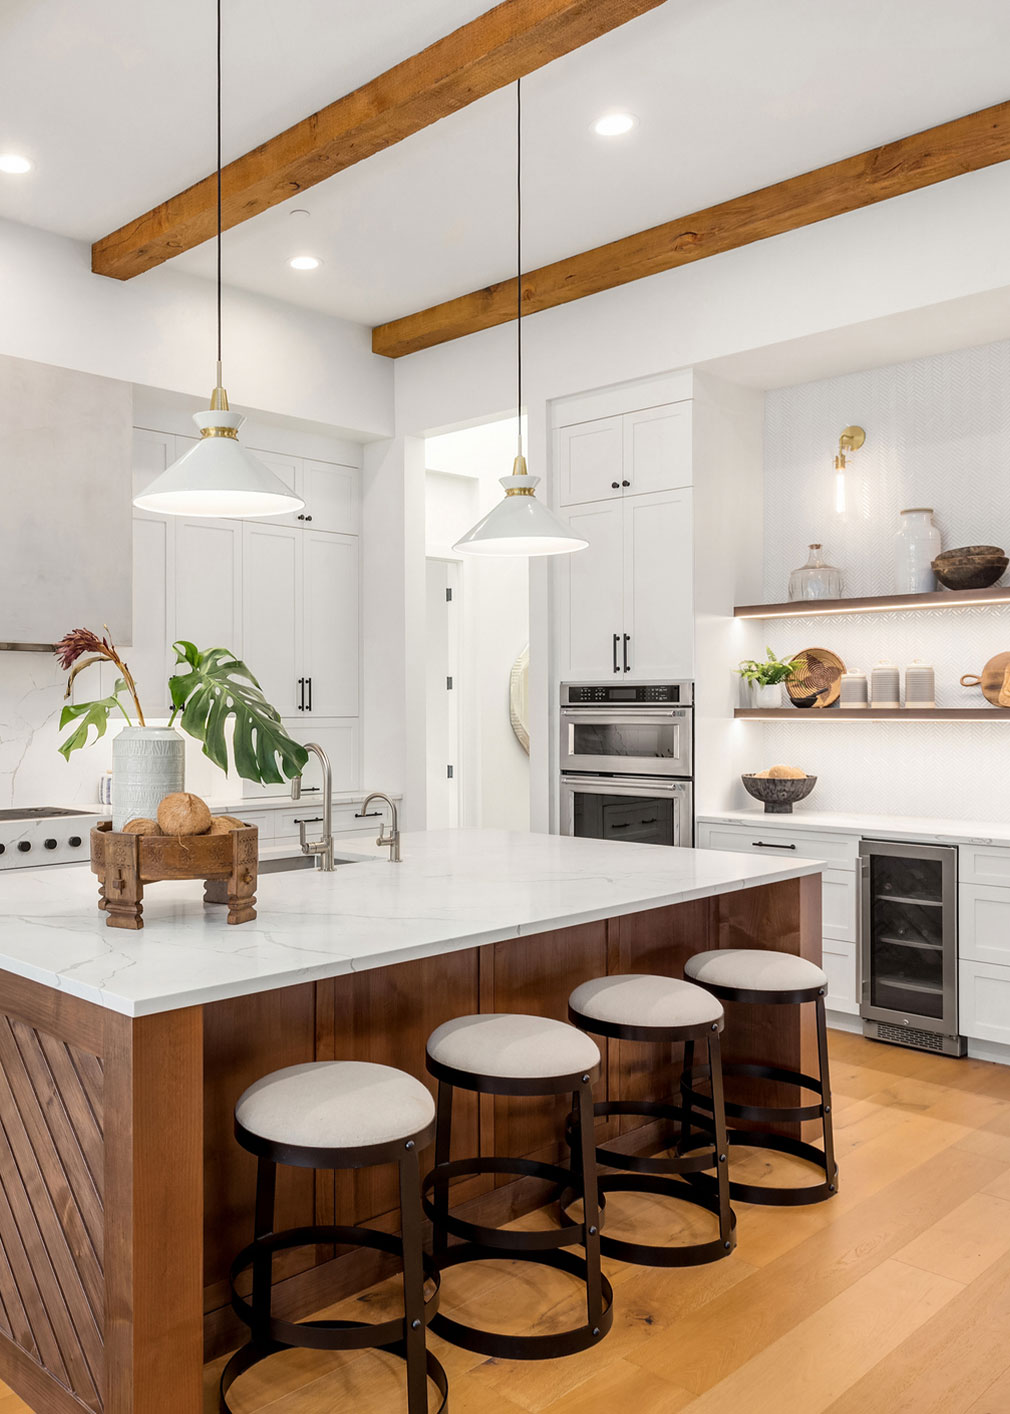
point(51, 844)
point(24, 846)
point(74, 841)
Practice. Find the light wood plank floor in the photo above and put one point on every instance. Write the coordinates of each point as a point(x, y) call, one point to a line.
point(894, 1297)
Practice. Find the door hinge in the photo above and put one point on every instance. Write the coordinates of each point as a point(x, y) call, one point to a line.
point(448, 596)
point(448, 684)
point(448, 772)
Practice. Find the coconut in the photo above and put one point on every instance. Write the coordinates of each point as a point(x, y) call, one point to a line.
point(140, 826)
point(184, 814)
point(224, 824)
point(778, 773)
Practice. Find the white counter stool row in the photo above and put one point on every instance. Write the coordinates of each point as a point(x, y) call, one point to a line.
point(753, 976)
point(338, 1115)
point(662, 1011)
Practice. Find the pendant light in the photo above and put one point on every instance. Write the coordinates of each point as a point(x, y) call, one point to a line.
point(218, 477)
point(519, 524)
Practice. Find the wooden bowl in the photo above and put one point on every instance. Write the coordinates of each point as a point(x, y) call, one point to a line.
point(174, 856)
point(970, 574)
point(778, 793)
point(971, 552)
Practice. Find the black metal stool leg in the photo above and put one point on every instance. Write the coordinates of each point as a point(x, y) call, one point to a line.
point(827, 1121)
point(413, 1282)
point(590, 1206)
point(263, 1225)
point(687, 1120)
point(721, 1140)
point(443, 1147)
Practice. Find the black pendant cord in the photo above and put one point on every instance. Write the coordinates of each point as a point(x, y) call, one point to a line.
point(219, 191)
point(519, 266)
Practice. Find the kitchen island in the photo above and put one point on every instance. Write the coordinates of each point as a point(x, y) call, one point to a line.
point(124, 1195)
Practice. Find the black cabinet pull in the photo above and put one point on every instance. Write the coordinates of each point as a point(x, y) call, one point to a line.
point(312, 820)
point(769, 844)
point(368, 815)
point(625, 826)
point(653, 821)
point(309, 683)
point(617, 639)
point(627, 640)
point(301, 694)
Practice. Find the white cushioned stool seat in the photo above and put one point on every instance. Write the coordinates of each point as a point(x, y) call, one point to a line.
point(640, 1000)
point(509, 1046)
point(335, 1105)
point(755, 970)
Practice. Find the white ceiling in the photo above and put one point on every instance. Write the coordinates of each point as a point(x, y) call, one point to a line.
point(113, 101)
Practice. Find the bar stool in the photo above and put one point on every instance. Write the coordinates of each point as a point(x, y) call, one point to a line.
point(662, 1011)
point(756, 976)
point(337, 1115)
point(507, 1054)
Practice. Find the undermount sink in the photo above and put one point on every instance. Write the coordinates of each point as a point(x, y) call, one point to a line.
point(287, 863)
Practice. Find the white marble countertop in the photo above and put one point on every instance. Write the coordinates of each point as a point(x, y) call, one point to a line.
point(891, 827)
point(455, 889)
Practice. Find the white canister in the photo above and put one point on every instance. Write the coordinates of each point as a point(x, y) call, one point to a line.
point(916, 546)
point(148, 763)
point(854, 690)
point(920, 685)
point(885, 686)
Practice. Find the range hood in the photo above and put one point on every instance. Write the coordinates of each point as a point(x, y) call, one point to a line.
point(66, 531)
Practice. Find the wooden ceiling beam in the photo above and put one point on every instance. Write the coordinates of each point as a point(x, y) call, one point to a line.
point(949, 150)
point(500, 46)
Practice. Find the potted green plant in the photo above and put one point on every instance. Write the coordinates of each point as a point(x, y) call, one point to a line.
point(206, 690)
point(765, 678)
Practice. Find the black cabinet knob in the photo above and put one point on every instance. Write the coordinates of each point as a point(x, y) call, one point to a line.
point(24, 846)
point(301, 517)
point(308, 517)
point(74, 841)
point(616, 485)
point(3, 849)
point(625, 483)
point(51, 844)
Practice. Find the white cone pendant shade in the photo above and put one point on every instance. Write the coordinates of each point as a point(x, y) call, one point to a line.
point(520, 524)
point(218, 477)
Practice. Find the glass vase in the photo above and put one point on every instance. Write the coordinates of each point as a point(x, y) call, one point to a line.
point(815, 579)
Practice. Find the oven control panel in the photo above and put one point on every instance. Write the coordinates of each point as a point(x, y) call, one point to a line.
point(578, 694)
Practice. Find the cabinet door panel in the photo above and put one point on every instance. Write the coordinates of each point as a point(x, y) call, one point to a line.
point(153, 453)
point(984, 924)
point(591, 461)
point(272, 589)
point(658, 585)
point(657, 449)
point(330, 494)
point(330, 622)
point(590, 590)
point(151, 658)
point(288, 470)
point(839, 962)
point(984, 1001)
point(208, 583)
point(342, 744)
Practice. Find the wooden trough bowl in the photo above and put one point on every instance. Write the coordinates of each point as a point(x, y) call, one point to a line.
point(228, 864)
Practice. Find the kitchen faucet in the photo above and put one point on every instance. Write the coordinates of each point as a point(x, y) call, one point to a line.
point(393, 838)
point(322, 849)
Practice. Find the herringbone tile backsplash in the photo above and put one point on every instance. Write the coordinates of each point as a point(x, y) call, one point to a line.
point(937, 434)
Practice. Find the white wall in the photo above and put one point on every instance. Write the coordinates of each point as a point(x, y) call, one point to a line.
point(158, 329)
point(937, 434)
point(495, 602)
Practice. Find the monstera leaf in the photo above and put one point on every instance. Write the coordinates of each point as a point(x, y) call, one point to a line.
point(90, 714)
point(210, 687)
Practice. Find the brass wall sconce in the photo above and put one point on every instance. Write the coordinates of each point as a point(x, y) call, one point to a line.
point(851, 440)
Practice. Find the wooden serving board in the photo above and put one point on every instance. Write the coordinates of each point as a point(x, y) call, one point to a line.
point(993, 680)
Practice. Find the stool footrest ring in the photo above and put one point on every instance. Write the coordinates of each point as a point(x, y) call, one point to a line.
point(252, 1353)
point(326, 1335)
point(700, 1124)
point(524, 1347)
point(758, 1114)
point(492, 1238)
point(769, 1195)
point(693, 1254)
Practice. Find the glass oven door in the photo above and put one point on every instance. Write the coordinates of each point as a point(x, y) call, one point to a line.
point(642, 810)
point(654, 741)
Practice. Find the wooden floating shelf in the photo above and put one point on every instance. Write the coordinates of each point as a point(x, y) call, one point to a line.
point(810, 608)
point(876, 714)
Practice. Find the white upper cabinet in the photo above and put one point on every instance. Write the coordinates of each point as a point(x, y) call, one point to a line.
point(635, 454)
point(272, 598)
point(330, 494)
point(288, 470)
point(591, 585)
point(591, 461)
point(658, 586)
point(330, 624)
point(208, 582)
point(657, 449)
point(153, 453)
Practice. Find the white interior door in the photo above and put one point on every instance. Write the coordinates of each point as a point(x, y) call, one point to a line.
point(271, 575)
point(442, 632)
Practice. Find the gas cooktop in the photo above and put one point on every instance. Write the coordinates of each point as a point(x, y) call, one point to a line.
point(39, 812)
point(45, 834)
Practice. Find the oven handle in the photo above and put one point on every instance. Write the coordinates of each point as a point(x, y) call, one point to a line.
point(624, 716)
point(640, 785)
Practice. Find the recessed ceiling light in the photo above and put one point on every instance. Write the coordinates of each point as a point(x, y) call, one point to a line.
point(305, 262)
point(14, 165)
point(614, 124)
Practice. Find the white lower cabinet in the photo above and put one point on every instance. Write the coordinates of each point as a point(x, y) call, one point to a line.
point(341, 740)
point(984, 924)
point(984, 1001)
point(838, 905)
point(839, 962)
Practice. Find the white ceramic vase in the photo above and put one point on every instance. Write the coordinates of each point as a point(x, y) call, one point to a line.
point(765, 695)
point(916, 546)
point(148, 763)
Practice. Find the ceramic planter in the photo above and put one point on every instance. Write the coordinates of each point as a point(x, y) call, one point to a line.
point(148, 763)
point(765, 695)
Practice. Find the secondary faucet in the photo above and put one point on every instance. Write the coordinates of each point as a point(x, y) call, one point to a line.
point(322, 849)
point(393, 838)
